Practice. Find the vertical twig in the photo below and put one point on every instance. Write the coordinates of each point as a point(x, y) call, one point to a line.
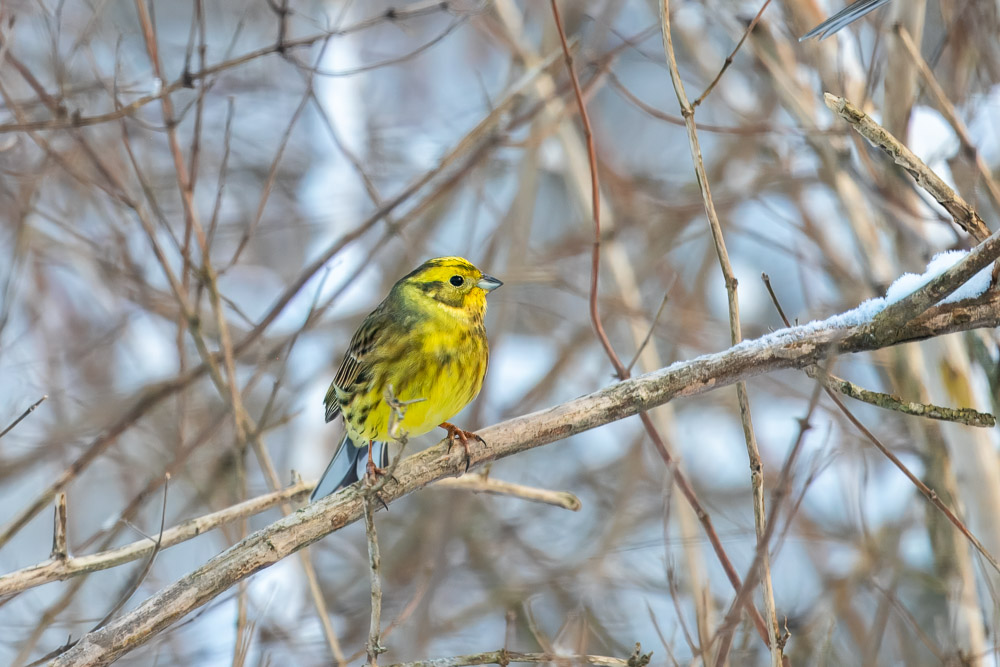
point(374, 564)
point(59, 529)
point(370, 492)
point(595, 192)
point(753, 453)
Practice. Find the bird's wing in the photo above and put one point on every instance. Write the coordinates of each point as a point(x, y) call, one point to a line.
point(358, 361)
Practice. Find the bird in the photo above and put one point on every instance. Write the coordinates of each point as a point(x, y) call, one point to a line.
point(843, 18)
point(426, 342)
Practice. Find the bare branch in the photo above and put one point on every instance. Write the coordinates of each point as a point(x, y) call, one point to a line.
point(480, 483)
point(59, 569)
point(963, 214)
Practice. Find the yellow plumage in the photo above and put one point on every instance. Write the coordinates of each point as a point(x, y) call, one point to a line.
point(427, 341)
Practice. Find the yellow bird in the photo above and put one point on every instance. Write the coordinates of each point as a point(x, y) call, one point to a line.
point(427, 341)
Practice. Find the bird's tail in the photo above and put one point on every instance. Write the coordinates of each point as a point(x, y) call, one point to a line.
point(348, 466)
point(843, 18)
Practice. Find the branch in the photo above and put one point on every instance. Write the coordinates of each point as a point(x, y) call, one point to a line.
point(60, 568)
point(505, 657)
point(966, 416)
point(64, 119)
point(963, 214)
point(480, 483)
point(788, 348)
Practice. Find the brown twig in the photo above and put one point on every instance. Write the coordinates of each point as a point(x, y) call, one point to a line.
point(731, 56)
point(595, 194)
point(649, 333)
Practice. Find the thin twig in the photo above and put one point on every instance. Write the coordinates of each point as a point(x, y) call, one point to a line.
point(23, 415)
point(140, 576)
point(480, 483)
point(595, 202)
point(59, 530)
point(731, 56)
point(652, 328)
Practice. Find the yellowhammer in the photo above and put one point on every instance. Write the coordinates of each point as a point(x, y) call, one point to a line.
point(427, 341)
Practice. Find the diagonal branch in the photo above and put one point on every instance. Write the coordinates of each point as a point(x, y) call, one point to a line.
point(963, 214)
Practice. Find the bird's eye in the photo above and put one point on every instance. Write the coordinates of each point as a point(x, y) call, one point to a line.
point(457, 281)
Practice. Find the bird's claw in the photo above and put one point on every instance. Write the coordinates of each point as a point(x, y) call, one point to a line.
point(373, 471)
point(463, 437)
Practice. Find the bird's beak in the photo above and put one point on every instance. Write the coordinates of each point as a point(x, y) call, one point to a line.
point(488, 283)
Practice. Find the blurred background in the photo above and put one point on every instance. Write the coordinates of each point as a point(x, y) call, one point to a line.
point(292, 128)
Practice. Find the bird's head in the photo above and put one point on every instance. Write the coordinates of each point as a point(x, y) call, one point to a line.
point(451, 281)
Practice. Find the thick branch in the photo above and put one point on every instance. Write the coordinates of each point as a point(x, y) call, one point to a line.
point(789, 348)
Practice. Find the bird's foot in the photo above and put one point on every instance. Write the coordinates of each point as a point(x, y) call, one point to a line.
point(463, 437)
point(373, 471)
